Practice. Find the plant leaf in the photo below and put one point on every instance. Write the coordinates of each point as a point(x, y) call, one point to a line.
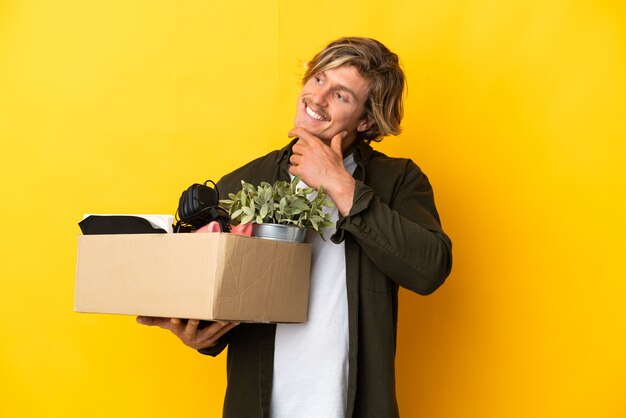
point(236, 213)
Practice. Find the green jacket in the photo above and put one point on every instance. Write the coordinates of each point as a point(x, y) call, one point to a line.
point(393, 238)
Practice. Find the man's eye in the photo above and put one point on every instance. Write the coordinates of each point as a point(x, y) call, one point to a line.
point(340, 97)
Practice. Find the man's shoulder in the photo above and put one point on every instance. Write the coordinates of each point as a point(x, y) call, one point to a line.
point(380, 161)
point(394, 173)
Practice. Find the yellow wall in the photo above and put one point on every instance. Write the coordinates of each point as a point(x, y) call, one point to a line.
point(516, 111)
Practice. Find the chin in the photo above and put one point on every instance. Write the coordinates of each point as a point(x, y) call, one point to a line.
point(313, 130)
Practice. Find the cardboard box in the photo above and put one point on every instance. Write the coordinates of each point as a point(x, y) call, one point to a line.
point(210, 276)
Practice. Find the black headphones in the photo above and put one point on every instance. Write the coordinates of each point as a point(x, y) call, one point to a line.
point(199, 205)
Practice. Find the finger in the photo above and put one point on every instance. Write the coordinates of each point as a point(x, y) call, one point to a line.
point(145, 320)
point(337, 141)
point(295, 159)
point(298, 148)
point(192, 327)
point(210, 338)
point(211, 330)
point(302, 134)
point(153, 321)
point(221, 332)
point(293, 133)
point(175, 325)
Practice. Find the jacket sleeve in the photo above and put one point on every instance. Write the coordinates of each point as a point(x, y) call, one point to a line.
point(404, 238)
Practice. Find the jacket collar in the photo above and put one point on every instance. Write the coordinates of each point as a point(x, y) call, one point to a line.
point(362, 152)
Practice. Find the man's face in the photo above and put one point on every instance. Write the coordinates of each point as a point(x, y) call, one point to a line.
point(334, 101)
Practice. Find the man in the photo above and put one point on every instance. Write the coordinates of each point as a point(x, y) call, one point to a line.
point(340, 363)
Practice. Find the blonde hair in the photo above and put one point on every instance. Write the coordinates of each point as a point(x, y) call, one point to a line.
point(380, 66)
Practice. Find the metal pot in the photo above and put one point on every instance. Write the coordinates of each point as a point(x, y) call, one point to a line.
point(279, 232)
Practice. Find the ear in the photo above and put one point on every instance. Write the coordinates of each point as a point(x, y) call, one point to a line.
point(364, 125)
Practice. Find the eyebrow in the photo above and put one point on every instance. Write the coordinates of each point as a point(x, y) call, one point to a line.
point(341, 86)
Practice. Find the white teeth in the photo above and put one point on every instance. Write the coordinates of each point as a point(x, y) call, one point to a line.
point(312, 114)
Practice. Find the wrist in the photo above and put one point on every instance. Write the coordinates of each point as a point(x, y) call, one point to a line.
point(342, 193)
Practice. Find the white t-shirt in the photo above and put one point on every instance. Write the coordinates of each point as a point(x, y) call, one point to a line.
point(311, 359)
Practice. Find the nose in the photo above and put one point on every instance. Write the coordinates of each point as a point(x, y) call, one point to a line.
point(320, 96)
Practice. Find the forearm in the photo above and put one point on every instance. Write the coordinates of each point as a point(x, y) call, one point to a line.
point(404, 238)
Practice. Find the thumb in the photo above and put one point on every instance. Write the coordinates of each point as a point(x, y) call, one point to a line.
point(337, 141)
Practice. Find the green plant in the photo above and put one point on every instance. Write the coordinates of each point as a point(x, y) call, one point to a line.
point(281, 203)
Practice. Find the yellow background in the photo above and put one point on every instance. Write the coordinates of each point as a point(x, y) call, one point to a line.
point(516, 111)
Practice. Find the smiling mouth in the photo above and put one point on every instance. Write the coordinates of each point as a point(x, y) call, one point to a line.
point(316, 114)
